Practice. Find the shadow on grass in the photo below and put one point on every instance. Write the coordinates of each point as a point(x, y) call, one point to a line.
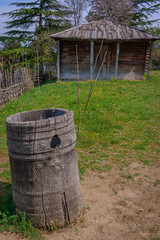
point(13, 221)
point(6, 204)
point(45, 82)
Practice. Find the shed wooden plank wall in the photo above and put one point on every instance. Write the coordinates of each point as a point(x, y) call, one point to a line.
point(68, 63)
point(148, 47)
point(133, 60)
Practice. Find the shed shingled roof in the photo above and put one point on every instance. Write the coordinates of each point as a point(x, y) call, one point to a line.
point(104, 29)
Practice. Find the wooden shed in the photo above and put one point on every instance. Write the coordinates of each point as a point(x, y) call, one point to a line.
point(106, 49)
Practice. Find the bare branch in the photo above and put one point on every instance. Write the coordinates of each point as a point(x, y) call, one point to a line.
point(93, 86)
point(90, 92)
point(38, 68)
point(112, 10)
point(76, 9)
point(98, 56)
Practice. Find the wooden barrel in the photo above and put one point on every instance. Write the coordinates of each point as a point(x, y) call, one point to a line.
point(44, 169)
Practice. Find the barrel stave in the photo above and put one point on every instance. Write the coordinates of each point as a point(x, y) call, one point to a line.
point(44, 168)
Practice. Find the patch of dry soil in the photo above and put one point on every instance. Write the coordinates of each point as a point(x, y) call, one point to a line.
point(124, 205)
point(119, 205)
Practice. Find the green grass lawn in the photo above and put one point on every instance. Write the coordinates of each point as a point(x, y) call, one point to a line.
point(121, 125)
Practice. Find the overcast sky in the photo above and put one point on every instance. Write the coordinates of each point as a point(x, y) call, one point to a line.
point(4, 7)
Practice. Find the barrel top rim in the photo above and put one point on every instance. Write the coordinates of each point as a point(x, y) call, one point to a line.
point(41, 122)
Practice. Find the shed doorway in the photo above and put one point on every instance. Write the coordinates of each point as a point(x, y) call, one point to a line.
point(103, 61)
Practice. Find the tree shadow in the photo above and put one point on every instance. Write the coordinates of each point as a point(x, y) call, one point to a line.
point(45, 82)
point(13, 221)
point(6, 204)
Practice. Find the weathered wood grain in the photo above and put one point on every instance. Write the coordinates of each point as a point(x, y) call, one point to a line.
point(91, 60)
point(104, 30)
point(58, 60)
point(132, 62)
point(117, 59)
point(149, 60)
point(44, 169)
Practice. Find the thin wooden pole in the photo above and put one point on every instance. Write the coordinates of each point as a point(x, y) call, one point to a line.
point(3, 76)
point(17, 102)
point(58, 60)
point(108, 63)
point(11, 76)
point(91, 60)
point(6, 79)
point(150, 58)
point(79, 104)
point(3, 85)
point(38, 68)
point(0, 80)
point(117, 58)
point(93, 86)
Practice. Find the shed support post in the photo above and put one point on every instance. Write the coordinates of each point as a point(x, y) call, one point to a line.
point(117, 58)
point(91, 60)
point(149, 63)
point(58, 60)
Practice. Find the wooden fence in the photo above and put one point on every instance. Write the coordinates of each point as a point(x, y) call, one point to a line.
point(11, 77)
point(14, 83)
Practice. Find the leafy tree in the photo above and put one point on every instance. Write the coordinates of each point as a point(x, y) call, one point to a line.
point(13, 53)
point(156, 49)
point(42, 55)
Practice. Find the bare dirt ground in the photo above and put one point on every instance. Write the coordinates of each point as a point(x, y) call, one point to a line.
point(123, 204)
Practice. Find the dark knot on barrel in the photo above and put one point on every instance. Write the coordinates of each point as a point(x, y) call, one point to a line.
point(55, 142)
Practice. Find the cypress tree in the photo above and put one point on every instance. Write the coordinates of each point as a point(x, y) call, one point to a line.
point(40, 15)
point(143, 10)
point(31, 24)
